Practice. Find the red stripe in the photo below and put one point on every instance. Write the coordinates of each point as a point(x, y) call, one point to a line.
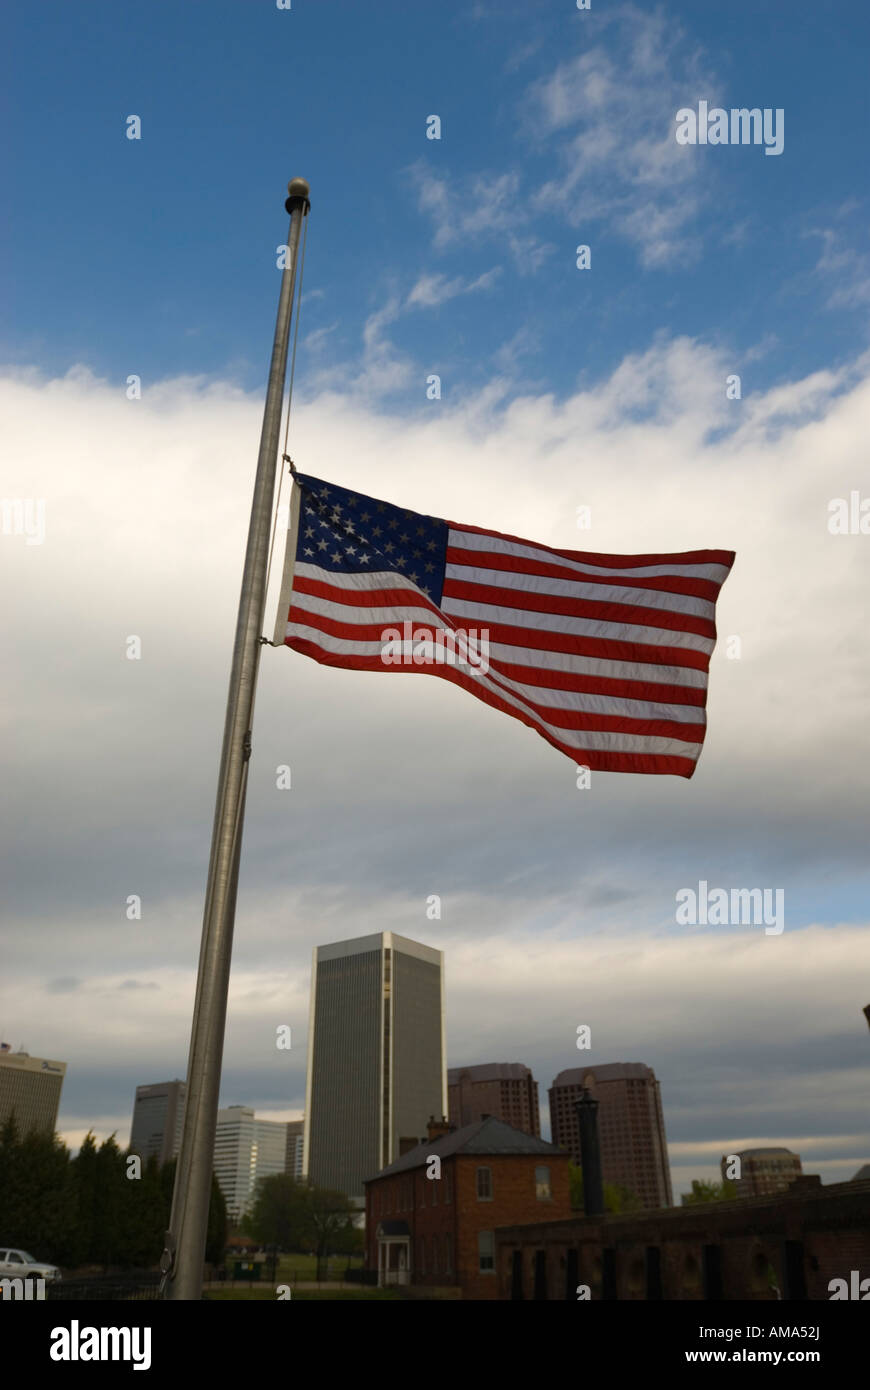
point(635, 614)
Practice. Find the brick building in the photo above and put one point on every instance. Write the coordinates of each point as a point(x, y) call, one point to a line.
point(631, 1126)
point(505, 1090)
point(439, 1232)
point(763, 1171)
point(791, 1245)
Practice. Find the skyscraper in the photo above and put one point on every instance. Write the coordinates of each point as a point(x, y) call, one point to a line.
point(158, 1116)
point(295, 1148)
point(505, 1090)
point(30, 1090)
point(631, 1126)
point(245, 1150)
point(376, 1055)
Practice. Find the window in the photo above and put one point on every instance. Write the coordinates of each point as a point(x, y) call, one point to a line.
point(448, 1186)
point(434, 1254)
point(486, 1252)
point(421, 1255)
point(484, 1184)
point(542, 1185)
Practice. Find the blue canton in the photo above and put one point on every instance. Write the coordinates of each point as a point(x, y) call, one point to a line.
point(346, 531)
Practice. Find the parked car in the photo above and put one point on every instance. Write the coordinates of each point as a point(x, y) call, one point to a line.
point(18, 1264)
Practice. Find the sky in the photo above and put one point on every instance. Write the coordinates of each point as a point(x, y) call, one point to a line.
point(610, 387)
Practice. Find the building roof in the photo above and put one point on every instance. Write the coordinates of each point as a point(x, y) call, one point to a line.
point(764, 1153)
point(486, 1137)
point(489, 1071)
point(863, 1174)
point(610, 1071)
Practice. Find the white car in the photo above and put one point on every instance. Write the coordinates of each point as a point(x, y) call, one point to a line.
point(17, 1264)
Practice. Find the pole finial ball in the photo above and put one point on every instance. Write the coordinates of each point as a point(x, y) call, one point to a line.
point(298, 188)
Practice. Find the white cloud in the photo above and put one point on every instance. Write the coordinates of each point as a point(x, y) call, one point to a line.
point(557, 903)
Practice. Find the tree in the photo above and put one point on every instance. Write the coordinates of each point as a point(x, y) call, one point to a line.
point(37, 1194)
point(327, 1213)
point(278, 1215)
point(703, 1192)
point(300, 1216)
point(617, 1198)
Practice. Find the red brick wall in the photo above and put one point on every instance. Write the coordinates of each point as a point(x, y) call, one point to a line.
point(513, 1187)
point(831, 1223)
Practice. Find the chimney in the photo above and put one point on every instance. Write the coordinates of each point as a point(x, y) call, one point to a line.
point(437, 1128)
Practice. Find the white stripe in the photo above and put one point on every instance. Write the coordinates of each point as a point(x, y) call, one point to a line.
point(572, 588)
point(682, 569)
point(364, 581)
point(484, 614)
point(594, 740)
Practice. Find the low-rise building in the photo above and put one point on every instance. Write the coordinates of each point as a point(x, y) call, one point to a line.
point(762, 1171)
point(431, 1215)
point(803, 1243)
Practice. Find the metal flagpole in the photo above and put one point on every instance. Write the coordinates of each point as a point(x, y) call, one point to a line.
point(184, 1253)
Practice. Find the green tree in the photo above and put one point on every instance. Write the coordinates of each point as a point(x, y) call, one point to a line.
point(37, 1194)
point(300, 1216)
point(144, 1216)
point(277, 1216)
point(617, 1199)
point(703, 1192)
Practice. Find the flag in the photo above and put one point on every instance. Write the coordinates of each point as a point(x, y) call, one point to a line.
point(605, 656)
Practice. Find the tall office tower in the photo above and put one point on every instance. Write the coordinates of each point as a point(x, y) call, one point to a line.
point(505, 1090)
point(376, 1062)
point(30, 1090)
point(631, 1126)
point(295, 1148)
point(246, 1149)
point(763, 1171)
point(158, 1117)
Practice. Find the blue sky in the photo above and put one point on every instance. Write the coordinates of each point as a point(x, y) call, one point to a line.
point(560, 387)
point(157, 255)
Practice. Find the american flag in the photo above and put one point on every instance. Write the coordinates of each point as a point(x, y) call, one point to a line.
point(605, 656)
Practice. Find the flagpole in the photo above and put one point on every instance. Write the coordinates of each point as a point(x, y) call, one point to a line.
point(184, 1253)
